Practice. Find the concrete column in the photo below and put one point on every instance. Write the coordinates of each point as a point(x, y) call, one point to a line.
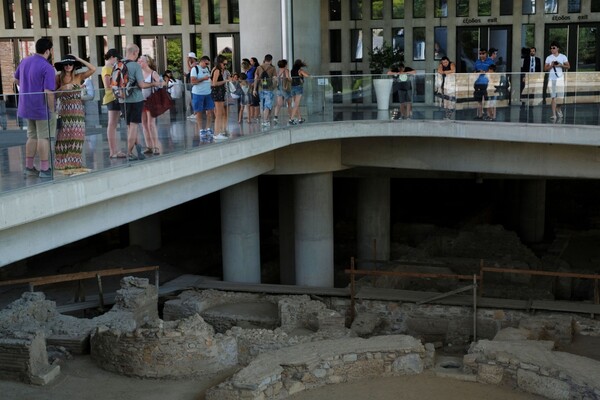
point(145, 232)
point(240, 234)
point(287, 270)
point(313, 219)
point(261, 19)
point(373, 220)
point(533, 209)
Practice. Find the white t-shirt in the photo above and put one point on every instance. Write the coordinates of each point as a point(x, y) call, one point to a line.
point(203, 87)
point(556, 72)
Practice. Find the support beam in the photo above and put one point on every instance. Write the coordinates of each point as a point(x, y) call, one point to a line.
point(313, 219)
point(373, 220)
point(240, 233)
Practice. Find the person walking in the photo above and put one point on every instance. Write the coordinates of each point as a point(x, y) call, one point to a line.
point(556, 64)
point(71, 135)
point(113, 106)
point(148, 121)
point(298, 74)
point(263, 87)
point(36, 79)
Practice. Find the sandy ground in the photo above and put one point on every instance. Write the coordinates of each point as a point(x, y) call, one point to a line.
point(80, 379)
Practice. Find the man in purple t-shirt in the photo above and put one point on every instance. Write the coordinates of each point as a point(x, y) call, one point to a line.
point(37, 80)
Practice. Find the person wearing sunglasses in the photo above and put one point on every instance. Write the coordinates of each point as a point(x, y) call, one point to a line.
point(556, 64)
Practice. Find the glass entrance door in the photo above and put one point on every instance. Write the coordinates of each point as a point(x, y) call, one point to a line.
point(472, 38)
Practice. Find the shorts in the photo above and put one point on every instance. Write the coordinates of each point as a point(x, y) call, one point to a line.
point(297, 90)
point(114, 106)
point(202, 102)
point(133, 112)
point(480, 92)
point(266, 99)
point(42, 128)
point(254, 100)
point(405, 96)
point(283, 93)
point(557, 88)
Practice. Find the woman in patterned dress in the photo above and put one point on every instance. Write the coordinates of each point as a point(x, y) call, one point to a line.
point(71, 136)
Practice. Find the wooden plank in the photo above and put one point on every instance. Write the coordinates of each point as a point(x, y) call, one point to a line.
point(45, 280)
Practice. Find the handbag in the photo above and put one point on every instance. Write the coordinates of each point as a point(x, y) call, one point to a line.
point(158, 102)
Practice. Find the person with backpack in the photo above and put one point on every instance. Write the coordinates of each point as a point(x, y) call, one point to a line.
point(263, 86)
point(284, 90)
point(201, 98)
point(134, 99)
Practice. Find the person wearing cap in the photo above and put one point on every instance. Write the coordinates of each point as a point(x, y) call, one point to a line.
point(112, 104)
point(71, 110)
point(36, 78)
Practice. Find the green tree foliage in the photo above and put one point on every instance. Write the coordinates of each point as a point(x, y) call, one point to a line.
point(384, 57)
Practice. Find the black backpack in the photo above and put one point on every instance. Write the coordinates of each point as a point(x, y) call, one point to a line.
point(266, 80)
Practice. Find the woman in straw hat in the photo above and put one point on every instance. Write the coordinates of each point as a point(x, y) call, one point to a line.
point(71, 136)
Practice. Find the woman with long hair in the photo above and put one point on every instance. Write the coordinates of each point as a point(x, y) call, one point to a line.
point(71, 136)
point(148, 121)
point(298, 74)
point(283, 92)
point(218, 93)
point(112, 104)
point(446, 71)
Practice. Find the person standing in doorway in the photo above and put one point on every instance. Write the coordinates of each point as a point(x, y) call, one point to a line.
point(556, 64)
point(37, 81)
point(531, 64)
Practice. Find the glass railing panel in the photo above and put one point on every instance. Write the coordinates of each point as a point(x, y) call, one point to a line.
point(516, 98)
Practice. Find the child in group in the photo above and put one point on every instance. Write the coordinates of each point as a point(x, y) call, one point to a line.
point(244, 100)
point(494, 82)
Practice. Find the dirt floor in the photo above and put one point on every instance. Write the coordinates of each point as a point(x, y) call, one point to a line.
point(80, 379)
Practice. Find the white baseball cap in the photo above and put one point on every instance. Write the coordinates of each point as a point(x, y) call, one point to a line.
point(192, 55)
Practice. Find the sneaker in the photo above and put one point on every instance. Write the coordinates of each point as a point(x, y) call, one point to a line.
point(266, 123)
point(192, 117)
point(221, 136)
point(140, 154)
point(209, 136)
point(275, 120)
point(301, 121)
point(31, 171)
point(46, 174)
point(203, 135)
point(292, 122)
point(560, 114)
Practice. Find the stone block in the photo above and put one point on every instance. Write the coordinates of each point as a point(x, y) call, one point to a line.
point(409, 364)
point(492, 374)
point(550, 388)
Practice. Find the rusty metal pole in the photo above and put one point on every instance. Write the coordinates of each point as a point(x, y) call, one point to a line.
point(352, 312)
point(100, 292)
point(474, 307)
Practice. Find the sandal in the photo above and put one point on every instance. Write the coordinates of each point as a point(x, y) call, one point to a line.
point(148, 150)
point(118, 155)
point(155, 151)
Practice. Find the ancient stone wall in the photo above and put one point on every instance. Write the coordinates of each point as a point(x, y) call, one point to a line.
point(532, 366)
point(168, 350)
point(279, 374)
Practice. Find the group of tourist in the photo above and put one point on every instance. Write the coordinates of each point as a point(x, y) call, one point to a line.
point(52, 99)
point(260, 91)
point(486, 67)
